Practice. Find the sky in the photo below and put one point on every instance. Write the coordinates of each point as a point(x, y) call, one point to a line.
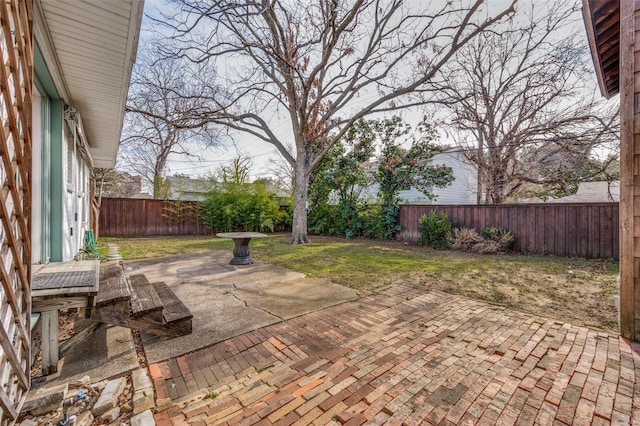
point(230, 147)
point(245, 145)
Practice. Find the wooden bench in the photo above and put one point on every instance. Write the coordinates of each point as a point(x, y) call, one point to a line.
point(109, 296)
point(58, 286)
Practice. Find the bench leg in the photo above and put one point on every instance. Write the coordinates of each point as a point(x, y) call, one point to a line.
point(50, 353)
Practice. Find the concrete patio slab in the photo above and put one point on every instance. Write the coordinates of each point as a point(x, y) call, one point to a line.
point(109, 352)
point(228, 300)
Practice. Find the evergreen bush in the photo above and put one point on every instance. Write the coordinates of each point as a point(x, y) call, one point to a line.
point(435, 230)
point(241, 207)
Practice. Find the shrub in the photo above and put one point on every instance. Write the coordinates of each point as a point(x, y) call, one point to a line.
point(241, 207)
point(324, 219)
point(390, 221)
point(286, 210)
point(435, 230)
point(372, 222)
point(486, 247)
point(351, 219)
point(464, 239)
point(503, 238)
point(489, 240)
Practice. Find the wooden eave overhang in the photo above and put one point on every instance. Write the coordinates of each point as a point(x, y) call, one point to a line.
point(602, 22)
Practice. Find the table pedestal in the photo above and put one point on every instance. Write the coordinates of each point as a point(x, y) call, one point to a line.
point(241, 245)
point(241, 255)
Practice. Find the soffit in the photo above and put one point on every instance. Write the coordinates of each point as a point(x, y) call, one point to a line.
point(90, 49)
point(602, 22)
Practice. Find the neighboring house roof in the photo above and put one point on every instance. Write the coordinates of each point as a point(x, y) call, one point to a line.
point(592, 192)
point(602, 22)
point(187, 185)
point(275, 189)
point(89, 48)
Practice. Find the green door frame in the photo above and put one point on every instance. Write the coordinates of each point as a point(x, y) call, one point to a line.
point(52, 162)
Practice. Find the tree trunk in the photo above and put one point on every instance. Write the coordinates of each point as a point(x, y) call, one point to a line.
point(299, 226)
point(479, 166)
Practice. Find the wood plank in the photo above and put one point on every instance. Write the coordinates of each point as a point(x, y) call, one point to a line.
point(43, 305)
point(627, 69)
point(571, 230)
point(115, 313)
point(550, 236)
point(16, 67)
point(7, 405)
point(177, 319)
point(616, 231)
point(144, 299)
point(113, 285)
point(523, 228)
point(593, 237)
point(582, 228)
point(121, 216)
point(50, 354)
point(563, 222)
point(80, 335)
point(174, 308)
point(13, 119)
point(513, 224)
point(540, 231)
point(548, 228)
point(13, 303)
point(605, 234)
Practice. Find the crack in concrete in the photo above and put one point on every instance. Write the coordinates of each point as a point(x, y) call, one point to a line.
point(254, 307)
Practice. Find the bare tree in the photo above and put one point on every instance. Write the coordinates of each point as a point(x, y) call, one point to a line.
point(165, 103)
point(555, 170)
point(237, 172)
point(280, 172)
point(522, 104)
point(324, 64)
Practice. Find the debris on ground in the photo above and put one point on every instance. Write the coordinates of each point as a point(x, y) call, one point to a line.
point(85, 403)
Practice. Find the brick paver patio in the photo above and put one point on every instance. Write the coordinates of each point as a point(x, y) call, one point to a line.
point(406, 357)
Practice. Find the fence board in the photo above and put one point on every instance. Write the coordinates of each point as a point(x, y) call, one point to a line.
point(574, 230)
point(560, 240)
point(139, 217)
point(541, 227)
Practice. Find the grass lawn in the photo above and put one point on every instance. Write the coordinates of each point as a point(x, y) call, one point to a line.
point(573, 290)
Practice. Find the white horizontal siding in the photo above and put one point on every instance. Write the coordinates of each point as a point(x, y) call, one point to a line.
point(461, 191)
point(464, 188)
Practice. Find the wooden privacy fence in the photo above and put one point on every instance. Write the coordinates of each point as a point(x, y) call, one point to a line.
point(572, 230)
point(140, 217)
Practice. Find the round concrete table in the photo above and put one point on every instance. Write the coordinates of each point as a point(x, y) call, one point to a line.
point(241, 255)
